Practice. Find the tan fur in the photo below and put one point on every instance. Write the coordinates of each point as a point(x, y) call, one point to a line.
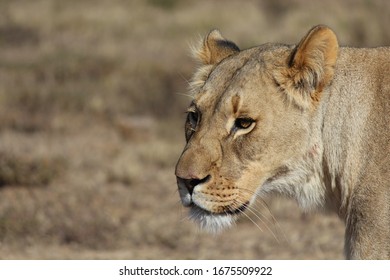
point(309, 121)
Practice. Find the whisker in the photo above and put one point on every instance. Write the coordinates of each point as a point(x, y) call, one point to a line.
point(242, 212)
point(184, 78)
point(184, 94)
point(184, 217)
point(272, 221)
point(264, 222)
point(260, 212)
point(275, 221)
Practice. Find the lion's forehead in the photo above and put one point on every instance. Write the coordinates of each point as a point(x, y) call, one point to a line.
point(238, 74)
point(226, 80)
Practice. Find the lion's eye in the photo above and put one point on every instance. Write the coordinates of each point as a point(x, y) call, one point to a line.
point(192, 121)
point(243, 123)
point(193, 118)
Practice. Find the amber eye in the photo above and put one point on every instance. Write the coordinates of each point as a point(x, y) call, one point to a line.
point(243, 123)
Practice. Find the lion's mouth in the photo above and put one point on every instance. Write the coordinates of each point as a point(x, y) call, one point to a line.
point(229, 211)
point(238, 210)
point(215, 222)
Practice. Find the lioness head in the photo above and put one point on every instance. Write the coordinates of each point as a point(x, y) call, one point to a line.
point(248, 126)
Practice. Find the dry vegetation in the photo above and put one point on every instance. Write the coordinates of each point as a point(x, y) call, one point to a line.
point(91, 102)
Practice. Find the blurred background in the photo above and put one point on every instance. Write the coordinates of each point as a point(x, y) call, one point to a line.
point(92, 101)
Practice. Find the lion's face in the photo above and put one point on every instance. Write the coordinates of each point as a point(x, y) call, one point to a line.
point(241, 130)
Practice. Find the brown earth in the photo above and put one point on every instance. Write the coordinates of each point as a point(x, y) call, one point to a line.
point(92, 95)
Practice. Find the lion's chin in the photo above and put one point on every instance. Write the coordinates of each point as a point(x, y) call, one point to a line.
point(209, 222)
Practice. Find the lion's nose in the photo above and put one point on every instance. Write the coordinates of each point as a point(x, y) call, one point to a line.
point(190, 184)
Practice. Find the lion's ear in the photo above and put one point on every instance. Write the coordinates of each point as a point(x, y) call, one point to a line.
point(311, 66)
point(214, 48)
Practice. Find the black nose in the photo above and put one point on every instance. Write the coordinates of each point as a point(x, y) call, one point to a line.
point(192, 183)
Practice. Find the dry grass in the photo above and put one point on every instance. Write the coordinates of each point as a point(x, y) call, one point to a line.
point(21, 170)
point(91, 102)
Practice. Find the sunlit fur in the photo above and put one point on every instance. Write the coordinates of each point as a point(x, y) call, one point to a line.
point(319, 134)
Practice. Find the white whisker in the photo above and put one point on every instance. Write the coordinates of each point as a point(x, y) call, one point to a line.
point(184, 94)
point(242, 212)
point(274, 219)
point(264, 222)
point(184, 78)
point(264, 219)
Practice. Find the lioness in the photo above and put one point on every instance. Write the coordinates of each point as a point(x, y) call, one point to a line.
point(310, 121)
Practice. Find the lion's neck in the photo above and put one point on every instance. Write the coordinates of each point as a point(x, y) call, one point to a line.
point(343, 115)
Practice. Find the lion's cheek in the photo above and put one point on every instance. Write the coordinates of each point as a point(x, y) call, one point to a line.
point(252, 177)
